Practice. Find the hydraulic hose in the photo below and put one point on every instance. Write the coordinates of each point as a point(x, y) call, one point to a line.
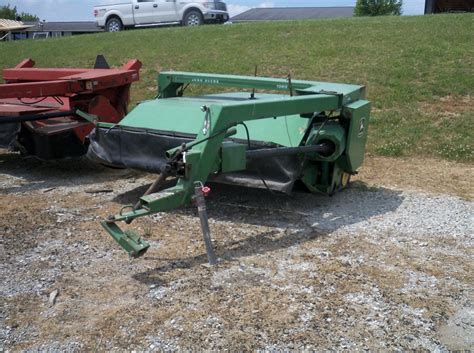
point(34, 117)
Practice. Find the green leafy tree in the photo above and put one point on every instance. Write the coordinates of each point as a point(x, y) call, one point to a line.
point(25, 16)
point(11, 13)
point(7, 12)
point(378, 7)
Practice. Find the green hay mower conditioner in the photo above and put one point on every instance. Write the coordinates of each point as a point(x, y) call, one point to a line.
point(266, 133)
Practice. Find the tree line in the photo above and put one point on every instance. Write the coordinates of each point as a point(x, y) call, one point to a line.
point(8, 12)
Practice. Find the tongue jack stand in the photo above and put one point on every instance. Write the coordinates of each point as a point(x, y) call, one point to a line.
point(202, 210)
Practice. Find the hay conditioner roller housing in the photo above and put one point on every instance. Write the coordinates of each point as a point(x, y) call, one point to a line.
point(300, 131)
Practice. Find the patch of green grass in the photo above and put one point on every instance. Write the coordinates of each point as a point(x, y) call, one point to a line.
point(409, 65)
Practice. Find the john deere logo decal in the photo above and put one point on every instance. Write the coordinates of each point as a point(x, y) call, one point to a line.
point(362, 127)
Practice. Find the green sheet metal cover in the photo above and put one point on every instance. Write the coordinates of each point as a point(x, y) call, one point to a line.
point(184, 116)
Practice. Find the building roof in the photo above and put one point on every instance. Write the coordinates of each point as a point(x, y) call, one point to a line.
point(10, 25)
point(80, 27)
point(293, 13)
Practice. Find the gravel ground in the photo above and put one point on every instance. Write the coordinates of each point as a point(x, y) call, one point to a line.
point(375, 267)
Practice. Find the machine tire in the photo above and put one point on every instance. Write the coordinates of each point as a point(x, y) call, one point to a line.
point(114, 24)
point(345, 181)
point(193, 18)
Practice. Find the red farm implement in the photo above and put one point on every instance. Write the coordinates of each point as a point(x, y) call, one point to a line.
point(49, 112)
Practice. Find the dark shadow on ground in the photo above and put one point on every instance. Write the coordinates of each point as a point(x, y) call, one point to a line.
point(261, 207)
point(261, 244)
point(39, 175)
point(305, 217)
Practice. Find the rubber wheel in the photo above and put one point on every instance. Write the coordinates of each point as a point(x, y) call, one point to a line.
point(193, 18)
point(113, 25)
point(345, 181)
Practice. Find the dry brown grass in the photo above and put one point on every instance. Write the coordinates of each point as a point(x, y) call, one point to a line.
point(427, 174)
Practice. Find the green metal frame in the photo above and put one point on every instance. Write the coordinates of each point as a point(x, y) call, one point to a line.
point(170, 84)
point(209, 154)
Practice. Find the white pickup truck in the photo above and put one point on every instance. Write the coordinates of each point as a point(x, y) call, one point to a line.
point(142, 13)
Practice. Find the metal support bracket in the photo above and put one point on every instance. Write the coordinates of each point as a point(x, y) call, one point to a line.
point(130, 241)
point(202, 211)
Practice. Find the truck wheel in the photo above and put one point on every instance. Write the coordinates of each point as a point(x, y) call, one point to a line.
point(113, 25)
point(193, 18)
